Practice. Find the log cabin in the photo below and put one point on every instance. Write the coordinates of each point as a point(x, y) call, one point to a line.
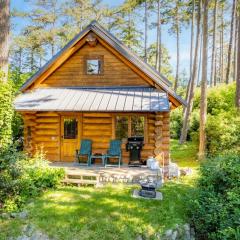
point(96, 88)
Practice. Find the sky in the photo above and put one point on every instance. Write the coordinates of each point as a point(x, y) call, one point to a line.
point(168, 40)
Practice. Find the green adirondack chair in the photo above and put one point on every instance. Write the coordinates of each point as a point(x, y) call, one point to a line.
point(84, 152)
point(114, 152)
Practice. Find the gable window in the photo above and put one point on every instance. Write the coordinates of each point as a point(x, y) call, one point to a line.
point(94, 65)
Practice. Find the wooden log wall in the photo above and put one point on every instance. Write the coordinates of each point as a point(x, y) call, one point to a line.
point(73, 72)
point(100, 128)
point(45, 128)
point(162, 137)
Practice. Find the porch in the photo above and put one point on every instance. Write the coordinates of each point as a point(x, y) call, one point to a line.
point(95, 174)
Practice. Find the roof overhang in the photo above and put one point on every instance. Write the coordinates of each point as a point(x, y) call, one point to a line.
point(119, 99)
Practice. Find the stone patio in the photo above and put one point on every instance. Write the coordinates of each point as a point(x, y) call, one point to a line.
point(124, 174)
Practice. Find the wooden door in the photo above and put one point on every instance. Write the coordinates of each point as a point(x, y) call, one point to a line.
point(70, 137)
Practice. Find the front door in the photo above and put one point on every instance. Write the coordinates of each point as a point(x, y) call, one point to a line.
point(70, 137)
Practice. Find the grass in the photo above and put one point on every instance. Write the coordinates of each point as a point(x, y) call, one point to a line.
point(104, 213)
point(109, 213)
point(184, 155)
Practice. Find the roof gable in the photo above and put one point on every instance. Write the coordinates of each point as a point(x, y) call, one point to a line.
point(114, 71)
point(76, 43)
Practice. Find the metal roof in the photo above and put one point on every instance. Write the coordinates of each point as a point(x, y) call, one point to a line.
point(118, 99)
point(158, 78)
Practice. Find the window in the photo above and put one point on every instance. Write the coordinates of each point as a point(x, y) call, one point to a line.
point(127, 126)
point(70, 128)
point(137, 125)
point(121, 127)
point(94, 65)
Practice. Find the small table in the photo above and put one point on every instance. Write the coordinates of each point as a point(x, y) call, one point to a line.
point(98, 155)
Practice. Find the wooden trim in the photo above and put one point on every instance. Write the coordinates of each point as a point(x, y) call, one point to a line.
point(124, 60)
point(145, 129)
point(129, 126)
point(113, 126)
point(57, 63)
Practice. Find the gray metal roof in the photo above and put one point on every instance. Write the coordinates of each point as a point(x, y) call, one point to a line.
point(119, 99)
point(158, 78)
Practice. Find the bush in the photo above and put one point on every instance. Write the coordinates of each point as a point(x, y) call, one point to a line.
point(6, 113)
point(22, 177)
point(223, 133)
point(215, 212)
point(223, 122)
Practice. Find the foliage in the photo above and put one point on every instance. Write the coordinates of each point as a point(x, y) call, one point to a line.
point(22, 177)
point(223, 124)
point(6, 113)
point(16, 79)
point(223, 133)
point(215, 210)
point(166, 68)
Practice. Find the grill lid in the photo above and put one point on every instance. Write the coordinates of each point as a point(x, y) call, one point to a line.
point(136, 139)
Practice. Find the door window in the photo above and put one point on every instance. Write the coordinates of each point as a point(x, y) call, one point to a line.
point(70, 128)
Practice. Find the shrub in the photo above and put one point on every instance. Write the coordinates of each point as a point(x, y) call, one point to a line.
point(215, 212)
point(223, 122)
point(6, 113)
point(22, 177)
point(223, 133)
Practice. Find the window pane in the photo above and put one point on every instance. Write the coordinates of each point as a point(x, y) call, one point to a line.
point(70, 128)
point(93, 66)
point(121, 127)
point(137, 125)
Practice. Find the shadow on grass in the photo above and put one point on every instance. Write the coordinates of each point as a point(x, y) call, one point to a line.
point(109, 212)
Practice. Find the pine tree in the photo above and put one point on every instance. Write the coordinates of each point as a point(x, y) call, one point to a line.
point(192, 84)
point(238, 60)
point(203, 100)
point(229, 55)
point(213, 60)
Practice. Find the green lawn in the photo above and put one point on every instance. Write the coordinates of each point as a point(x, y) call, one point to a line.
point(109, 212)
point(184, 155)
point(103, 213)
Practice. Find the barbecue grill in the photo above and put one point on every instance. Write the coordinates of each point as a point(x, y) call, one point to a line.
point(134, 146)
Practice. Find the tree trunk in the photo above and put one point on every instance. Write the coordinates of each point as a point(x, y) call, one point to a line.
point(215, 70)
point(200, 60)
point(221, 46)
point(191, 49)
point(4, 37)
point(159, 40)
point(235, 48)
point(145, 31)
point(188, 109)
point(177, 36)
point(203, 100)
point(192, 36)
point(212, 79)
point(230, 42)
point(238, 66)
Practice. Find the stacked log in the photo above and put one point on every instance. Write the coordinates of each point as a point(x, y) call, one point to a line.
point(162, 137)
point(29, 132)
